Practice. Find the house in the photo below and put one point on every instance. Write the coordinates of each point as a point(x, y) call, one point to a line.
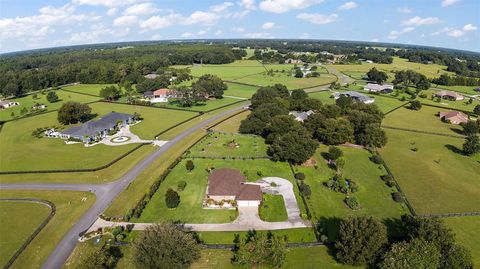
point(449, 95)
point(293, 61)
point(148, 95)
point(7, 104)
point(151, 76)
point(94, 130)
point(369, 61)
point(301, 115)
point(454, 117)
point(355, 96)
point(227, 184)
point(374, 87)
point(38, 106)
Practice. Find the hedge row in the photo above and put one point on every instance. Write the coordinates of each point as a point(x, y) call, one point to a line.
point(40, 227)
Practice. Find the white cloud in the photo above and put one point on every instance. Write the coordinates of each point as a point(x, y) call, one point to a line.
point(446, 3)
point(258, 35)
point(282, 6)
point(219, 32)
point(156, 37)
point(107, 3)
point(404, 10)
point(456, 33)
point(374, 40)
point(348, 5)
point(248, 4)
point(469, 27)
point(393, 35)
point(187, 35)
point(112, 11)
point(240, 14)
point(238, 29)
point(317, 18)
point(221, 7)
point(417, 21)
point(268, 25)
point(408, 29)
point(201, 17)
point(141, 9)
point(443, 30)
point(157, 22)
point(125, 21)
point(202, 32)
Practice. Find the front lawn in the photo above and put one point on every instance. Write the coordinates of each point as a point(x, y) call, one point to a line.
point(14, 229)
point(229, 145)
point(190, 208)
point(70, 206)
point(435, 177)
point(272, 208)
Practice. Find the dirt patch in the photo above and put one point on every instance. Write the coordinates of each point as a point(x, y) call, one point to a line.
point(310, 162)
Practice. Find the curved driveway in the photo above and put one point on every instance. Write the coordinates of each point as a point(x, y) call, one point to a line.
point(105, 193)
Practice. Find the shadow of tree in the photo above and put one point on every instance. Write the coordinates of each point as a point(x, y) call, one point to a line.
point(454, 149)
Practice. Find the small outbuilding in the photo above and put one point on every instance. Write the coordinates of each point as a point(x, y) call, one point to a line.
point(374, 87)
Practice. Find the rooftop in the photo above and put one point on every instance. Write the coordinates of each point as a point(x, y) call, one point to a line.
point(92, 128)
point(230, 182)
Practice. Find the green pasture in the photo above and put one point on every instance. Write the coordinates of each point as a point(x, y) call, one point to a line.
point(434, 175)
point(232, 124)
point(462, 105)
point(239, 90)
point(190, 208)
point(22, 151)
point(287, 79)
point(28, 101)
point(70, 206)
point(14, 229)
point(93, 89)
point(461, 89)
point(229, 145)
point(205, 106)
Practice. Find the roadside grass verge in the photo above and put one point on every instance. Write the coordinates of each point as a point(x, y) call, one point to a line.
point(70, 208)
point(229, 145)
point(14, 229)
point(272, 208)
point(433, 174)
point(233, 124)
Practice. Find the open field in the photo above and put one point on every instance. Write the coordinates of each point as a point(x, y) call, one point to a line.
point(230, 71)
point(22, 151)
point(28, 101)
point(238, 90)
point(92, 89)
point(229, 145)
point(272, 208)
point(69, 206)
point(466, 234)
point(231, 125)
point(461, 89)
point(190, 208)
point(425, 119)
point(288, 80)
point(462, 105)
point(208, 105)
point(14, 229)
point(373, 195)
point(429, 70)
point(435, 178)
point(385, 103)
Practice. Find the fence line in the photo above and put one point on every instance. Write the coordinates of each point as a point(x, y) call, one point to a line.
point(422, 132)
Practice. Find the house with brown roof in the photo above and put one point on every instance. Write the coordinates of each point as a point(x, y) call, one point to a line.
point(454, 117)
point(449, 95)
point(227, 184)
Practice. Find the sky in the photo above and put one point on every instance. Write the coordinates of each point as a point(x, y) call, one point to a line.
point(32, 24)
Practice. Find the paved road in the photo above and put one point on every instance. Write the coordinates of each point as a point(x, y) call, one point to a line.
point(105, 193)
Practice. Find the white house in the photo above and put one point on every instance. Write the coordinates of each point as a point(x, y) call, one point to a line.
point(374, 87)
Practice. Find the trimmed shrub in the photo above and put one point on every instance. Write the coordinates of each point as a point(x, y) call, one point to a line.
point(189, 165)
point(352, 202)
point(172, 199)
point(181, 185)
point(398, 197)
point(376, 159)
point(300, 176)
point(390, 183)
point(305, 190)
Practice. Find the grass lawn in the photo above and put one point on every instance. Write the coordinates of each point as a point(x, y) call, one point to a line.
point(238, 90)
point(28, 101)
point(208, 105)
point(14, 229)
point(435, 178)
point(272, 208)
point(229, 145)
point(466, 234)
point(373, 195)
point(190, 208)
point(70, 208)
point(425, 119)
point(385, 103)
point(429, 70)
point(461, 89)
point(21, 151)
point(288, 80)
point(231, 71)
point(233, 124)
point(462, 105)
point(93, 89)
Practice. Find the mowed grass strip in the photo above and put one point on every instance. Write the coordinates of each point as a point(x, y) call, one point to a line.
point(190, 208)
point(466, 234)
point(14, 230)
point(92, 89)
point(239, 90)
point(70, 207)
point(435, 177)
point(229, 145)
point(28, 101)
point(23, 152)
point(425, 119)
point(296, 235)
point(287, 79)
point(272, 208)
